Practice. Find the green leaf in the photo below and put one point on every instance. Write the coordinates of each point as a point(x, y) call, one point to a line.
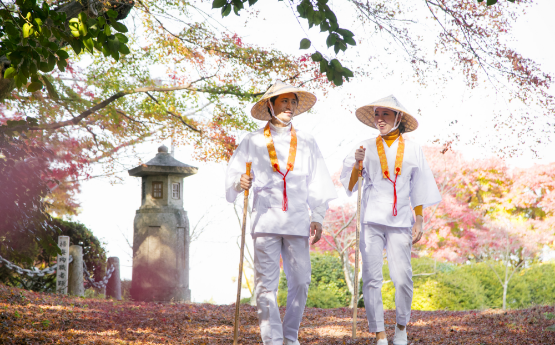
point(350, 40)
point(53, 46)
point(10, 72)
point(238, 4)
point(62, 65)
point(347, 72)
point(345, 33)
point(5, 14)
point(62, 54)
point(317, 57)
point(323, 65)
point(124, 49)
point(34, 86)
point(101, 21)
point(113, 44)
point(77, 47)
point(331, 40)
point(105, 51)
point(11, 29)
point(305, 43)
point(330, 74)
point(318, 17)
point(38, 21)
point(82, 17)
point(491, 2)
point(50, 88)
point(89, 44)
point(45, 67)
point(112, 14)
point(107, 30)
point(115, 55)
point(121, 38)
point(330, 15)
point(51, 62)
point(46, 32)
point(226, 10)
point(33, 68)
point(252, 2)
point(301, 10)
point(83, 30)
point(336, 65)
point(119, 27)
point(338, 80)
point(26, 30)
point(219, 3)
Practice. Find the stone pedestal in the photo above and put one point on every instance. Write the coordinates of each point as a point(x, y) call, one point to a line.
point(75, 272)
point(160, 256)
point(161, 231)
point(113, 287)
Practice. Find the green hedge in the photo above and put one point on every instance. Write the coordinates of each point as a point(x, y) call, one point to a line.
point(328, 288)
point(453, 287)
point(94, 256)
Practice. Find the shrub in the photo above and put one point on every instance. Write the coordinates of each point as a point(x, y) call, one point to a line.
point(328, 288)
point(94, 257)
point(453, 287)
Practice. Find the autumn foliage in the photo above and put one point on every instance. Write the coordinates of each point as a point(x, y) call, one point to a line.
point(485, 204)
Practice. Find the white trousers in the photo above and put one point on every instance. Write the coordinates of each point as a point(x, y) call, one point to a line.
point(294, 251)
point(398, 244)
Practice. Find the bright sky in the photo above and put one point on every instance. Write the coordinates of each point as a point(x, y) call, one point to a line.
point(108, 210)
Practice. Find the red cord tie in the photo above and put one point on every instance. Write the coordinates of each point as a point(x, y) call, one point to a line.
point(285, 205)
point(394, 189)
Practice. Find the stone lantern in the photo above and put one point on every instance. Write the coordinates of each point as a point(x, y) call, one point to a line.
point(161, 231)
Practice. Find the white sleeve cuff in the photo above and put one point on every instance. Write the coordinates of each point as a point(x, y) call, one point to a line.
point(319, 213)
point(237, 184)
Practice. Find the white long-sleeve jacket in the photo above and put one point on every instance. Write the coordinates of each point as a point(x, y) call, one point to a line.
point(415, 186)
point(308, 185)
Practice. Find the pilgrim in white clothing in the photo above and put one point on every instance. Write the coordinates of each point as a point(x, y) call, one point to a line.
point(396, 179)
point(291, 188)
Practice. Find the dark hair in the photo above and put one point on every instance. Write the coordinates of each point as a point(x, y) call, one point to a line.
point(273, 100)
point(402, 128)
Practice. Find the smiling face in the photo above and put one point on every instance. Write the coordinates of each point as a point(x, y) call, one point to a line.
point(285, 106)
point(384, 120)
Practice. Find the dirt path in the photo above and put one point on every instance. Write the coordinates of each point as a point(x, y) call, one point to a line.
point(36, 318)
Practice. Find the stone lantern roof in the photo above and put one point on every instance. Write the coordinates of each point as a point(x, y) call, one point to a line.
point(163, 164)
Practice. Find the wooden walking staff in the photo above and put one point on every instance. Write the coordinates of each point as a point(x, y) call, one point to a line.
point(240, 276)
point(357, 248)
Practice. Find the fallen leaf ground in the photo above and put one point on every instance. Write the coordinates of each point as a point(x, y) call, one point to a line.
point(39, 318)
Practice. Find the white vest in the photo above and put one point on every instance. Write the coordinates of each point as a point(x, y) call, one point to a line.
point(415, 185)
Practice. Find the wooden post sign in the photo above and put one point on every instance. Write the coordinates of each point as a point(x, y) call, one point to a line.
point(63, 263)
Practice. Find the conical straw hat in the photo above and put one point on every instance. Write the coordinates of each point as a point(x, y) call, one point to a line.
point(260, 109)
point(366, 113)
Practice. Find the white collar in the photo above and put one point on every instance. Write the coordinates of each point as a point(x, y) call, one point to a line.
point(280, 130)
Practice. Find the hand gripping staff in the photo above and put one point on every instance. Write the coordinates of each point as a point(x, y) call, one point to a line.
point(240, 277)
point(357, 249)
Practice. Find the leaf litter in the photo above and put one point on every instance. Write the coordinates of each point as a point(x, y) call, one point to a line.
point(28, 317)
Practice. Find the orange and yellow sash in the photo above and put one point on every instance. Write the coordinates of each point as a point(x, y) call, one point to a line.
point(274, 159)
point(398, 165)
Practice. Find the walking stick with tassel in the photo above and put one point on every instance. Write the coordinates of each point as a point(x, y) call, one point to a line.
point(240, 276)
point(357, 248)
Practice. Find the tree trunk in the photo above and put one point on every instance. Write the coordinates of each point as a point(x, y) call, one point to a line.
point(505, 295)
point(348, 277)
point(94, 8)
